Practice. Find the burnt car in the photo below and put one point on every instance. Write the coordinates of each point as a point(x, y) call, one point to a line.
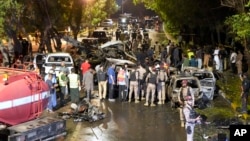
point(208, 82)
point(173, 89)
point(102, 36)
point(117, 50)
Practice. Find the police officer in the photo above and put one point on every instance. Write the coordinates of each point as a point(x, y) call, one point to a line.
point(191, 117)
point(151, 81)
point(245, 86)
point(161, 86)
point(133, 85)
point(185, 90)
point(142, 75)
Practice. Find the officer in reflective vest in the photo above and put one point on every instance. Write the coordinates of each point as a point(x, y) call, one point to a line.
point(74, 84)
point(191, 118)
point(63, 83)
point(151, 81)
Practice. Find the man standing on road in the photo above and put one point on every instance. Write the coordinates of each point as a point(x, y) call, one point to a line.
point(151, 81)
point(74, 84)
point(102, 82)
point(85, 66)
point(111, 81)
point(245, 86)
point(161, 87)
point(185, 90)
point(88, 83)
point(191, 117)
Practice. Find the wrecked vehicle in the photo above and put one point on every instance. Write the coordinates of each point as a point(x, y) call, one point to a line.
point(173, 89)
point(118, 50)
point(84, 111)
point(208, 82)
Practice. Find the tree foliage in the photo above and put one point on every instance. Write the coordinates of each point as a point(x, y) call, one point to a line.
point(240, 24)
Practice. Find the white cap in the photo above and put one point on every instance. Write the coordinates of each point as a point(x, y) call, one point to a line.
point(73, 106)
point(51, 71)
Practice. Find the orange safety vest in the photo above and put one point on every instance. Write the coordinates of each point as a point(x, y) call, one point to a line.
point(121, 75)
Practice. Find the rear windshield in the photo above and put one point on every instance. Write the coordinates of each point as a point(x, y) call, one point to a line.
point(191, 82)
point(99, 34)
point(56, 59)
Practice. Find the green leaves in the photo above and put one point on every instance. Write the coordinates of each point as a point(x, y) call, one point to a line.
point(240, 24)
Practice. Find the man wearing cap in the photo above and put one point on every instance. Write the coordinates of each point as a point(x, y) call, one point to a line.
point(161, 86)
point(151, 81)
point(185, 90)
point(55, 85)
point(191, 117)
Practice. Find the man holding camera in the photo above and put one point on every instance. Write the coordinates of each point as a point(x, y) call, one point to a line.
point(191, 117)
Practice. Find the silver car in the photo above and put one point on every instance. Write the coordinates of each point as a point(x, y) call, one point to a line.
point(173, 90)
point(208, 82)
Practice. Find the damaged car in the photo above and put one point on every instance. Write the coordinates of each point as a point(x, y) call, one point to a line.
point(208, 82)
point(118, 50)
point(173, 89)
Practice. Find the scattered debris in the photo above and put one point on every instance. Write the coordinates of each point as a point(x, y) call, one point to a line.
point(84, 111)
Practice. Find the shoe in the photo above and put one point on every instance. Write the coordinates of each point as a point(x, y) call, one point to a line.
point(143, 98)
point(111, 100)
point(50, 111)
point(152, 105)
point(146, 104)
point(137, 101)
point(159, 103)
point(182, 124)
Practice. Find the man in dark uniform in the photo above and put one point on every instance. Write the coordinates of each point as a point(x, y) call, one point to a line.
point(245, 86)
point(162, 78)
point(151, 81)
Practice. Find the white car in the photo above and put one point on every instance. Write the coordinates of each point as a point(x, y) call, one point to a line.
point(208, 82)
point(56, 59)
point(107, 23)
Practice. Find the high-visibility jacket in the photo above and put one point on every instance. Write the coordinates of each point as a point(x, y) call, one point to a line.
point(73, 80)
point(62, 79)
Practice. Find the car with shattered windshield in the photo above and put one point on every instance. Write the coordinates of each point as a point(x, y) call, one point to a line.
point(208, 82)
point(175, 84)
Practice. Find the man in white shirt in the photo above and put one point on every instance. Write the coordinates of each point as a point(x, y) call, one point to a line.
point(233, 61)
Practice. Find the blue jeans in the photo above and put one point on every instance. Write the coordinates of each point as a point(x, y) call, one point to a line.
point(111, 91)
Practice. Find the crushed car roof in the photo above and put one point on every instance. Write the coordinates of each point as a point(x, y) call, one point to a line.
point(111, 43)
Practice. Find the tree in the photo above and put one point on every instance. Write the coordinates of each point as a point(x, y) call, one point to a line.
point(190, 17)
point(239, 24)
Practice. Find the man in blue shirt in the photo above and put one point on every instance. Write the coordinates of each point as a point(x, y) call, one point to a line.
point(111, 81)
